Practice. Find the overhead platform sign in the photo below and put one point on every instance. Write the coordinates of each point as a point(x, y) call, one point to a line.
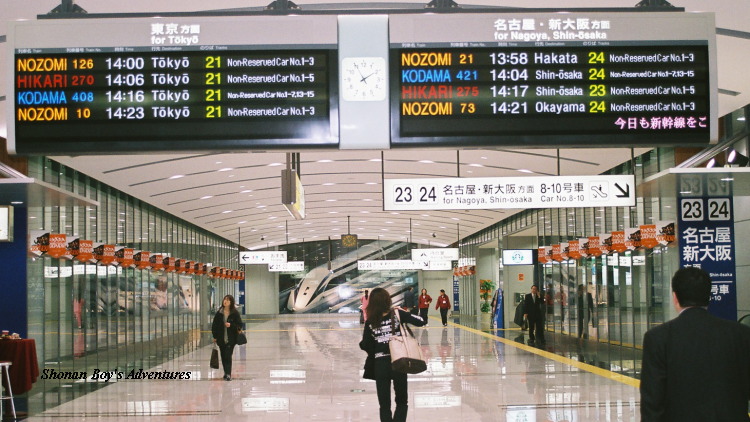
point(262, 257)
point(508, 192)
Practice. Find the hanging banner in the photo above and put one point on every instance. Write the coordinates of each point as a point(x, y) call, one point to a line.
point(180, 266)
point(583, 246)
point(618, 241)
point(157, 262)
point(574, 249)
point(189, 267)
point(560, 252)
point(198, 268)
point(141, 260)
point(169, 264)
point(593, 247)
point(544, 254)
point(124, 256)
point(665, 233)
point(81, 250)
point(605, 243)
point(648, 236)
point(104, 254)
point(632, 238)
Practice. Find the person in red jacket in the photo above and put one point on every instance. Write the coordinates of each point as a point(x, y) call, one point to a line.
point(424, 304)
point(444, 305)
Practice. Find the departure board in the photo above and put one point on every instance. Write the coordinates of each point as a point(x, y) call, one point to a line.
point(552, 80)
point(206, 85)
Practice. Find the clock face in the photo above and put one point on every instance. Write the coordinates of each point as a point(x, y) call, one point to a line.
point(363, 79)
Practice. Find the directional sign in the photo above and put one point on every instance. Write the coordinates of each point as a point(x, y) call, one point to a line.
point(287, 267)
point(508, 192)
point(435, 254)
point(262, 257)
point(402, 264)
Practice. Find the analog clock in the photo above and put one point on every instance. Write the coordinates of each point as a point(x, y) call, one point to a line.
point(363, 79)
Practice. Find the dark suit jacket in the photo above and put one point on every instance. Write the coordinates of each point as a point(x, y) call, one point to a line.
point(696, 367)
point(533, 308)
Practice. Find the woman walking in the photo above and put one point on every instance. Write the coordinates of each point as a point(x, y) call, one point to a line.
point(380, 326)
point(424, 305)
point(444, 304)
point(227, 323)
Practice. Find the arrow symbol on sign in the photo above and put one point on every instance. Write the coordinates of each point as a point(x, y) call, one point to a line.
point(623, 193)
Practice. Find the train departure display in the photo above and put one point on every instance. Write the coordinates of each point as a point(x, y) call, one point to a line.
point(188, 89)
point(545, 80)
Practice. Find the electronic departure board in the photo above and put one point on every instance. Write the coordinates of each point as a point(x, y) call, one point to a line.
point(553, 80)
point(174, 84)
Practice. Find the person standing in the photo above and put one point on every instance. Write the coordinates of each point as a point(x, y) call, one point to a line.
point(444, 305)
point(363, 307)
point(533, 311)
point(379, 328)
point(225, 327)
point(696, 367)
point(410, 300)
point(585, 303)
point(424, 305)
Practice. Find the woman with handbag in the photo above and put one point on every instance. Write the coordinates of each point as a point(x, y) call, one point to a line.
point(379, 327)
point(226, 325)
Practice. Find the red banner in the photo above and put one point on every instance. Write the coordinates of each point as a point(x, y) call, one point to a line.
point(592, 246)
point(141, 260)
point(605, 243)
point(574, 249)
point(104, 254)
point(618, 241)
point(543, 254)
point(56, 245)
point(665, 232)
point(157, 262)
point(169, 264)
point(632, 238)
point(180, 266)
point(124, 256)
point(81, 250)
point(189, 267)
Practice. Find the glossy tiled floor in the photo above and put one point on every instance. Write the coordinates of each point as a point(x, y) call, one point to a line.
point(309, 369)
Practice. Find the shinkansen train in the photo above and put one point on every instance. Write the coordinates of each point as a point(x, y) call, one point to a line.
point(313, 292)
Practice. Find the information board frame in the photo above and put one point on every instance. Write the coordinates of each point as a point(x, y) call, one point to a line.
point(247, 35)
point(431, 33)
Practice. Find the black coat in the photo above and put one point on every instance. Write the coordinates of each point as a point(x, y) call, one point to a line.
point(696, 367)
point(217, 327)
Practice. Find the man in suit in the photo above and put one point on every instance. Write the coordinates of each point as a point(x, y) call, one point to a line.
point(533, 311)
point(696, 367)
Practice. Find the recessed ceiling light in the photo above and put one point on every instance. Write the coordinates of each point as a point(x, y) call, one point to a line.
point(207, 197)
point(246, 191)
point(225, 169)
point(741, 119)
point(426, 161)
point(475, 165)
point(274, 164)
point(261, 206)
point(371, 183)
point(333, 212)
point(331, 200)
point(525, 171)
point(325, 161)
point(242, 222)
point(226, 212)
point(16, 202)
point(177, 176)
point(272, 217)
point(375, 159)
point(364, 212)
point(328, 184)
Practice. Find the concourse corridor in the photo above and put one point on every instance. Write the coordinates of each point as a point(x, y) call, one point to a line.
point(299, 368)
